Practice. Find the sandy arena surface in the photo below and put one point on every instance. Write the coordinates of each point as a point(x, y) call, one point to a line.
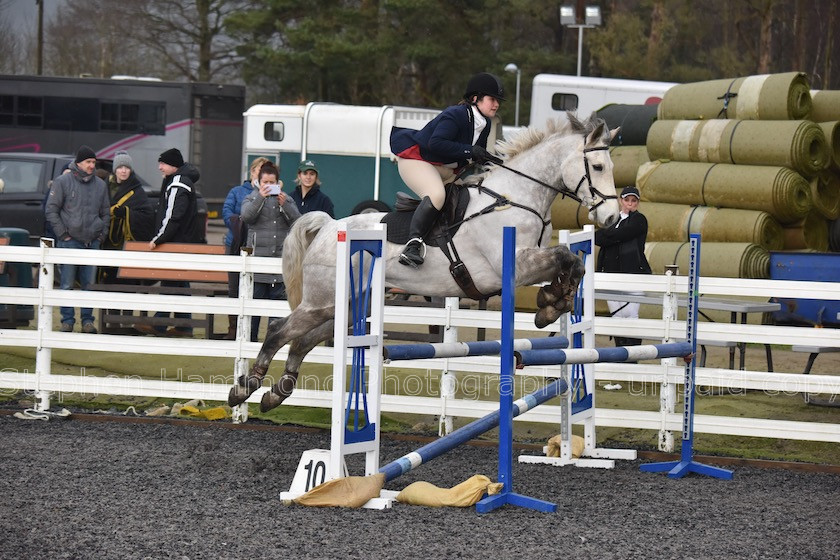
point(74, 489)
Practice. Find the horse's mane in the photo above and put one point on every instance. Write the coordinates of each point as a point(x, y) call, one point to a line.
point(530, 137)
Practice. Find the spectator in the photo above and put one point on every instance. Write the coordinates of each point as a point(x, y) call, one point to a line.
point(235, 236)
point(308, 195)
point(623, 250)
point(269, 214)
point(132, 213)
point(78, 212)
point(431, 157)
point(176, 221)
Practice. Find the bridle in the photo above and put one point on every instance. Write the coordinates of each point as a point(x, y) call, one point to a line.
point(573, 194)
point(591, 203)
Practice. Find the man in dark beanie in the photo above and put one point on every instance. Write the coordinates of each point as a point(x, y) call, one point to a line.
point(172, 157)
point(78, 210)
point(176, 221)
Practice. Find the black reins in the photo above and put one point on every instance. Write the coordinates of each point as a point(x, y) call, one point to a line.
point(562, 190)
point(566, 191)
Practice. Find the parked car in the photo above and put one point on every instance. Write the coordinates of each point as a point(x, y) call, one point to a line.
point(25, 180)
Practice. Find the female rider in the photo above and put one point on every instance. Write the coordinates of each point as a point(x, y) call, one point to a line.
point(429, 158)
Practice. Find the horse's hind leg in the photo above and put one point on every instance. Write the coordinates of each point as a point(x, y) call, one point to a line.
point(280, 331)
point(300, 347)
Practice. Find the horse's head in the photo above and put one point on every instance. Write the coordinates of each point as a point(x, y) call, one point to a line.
point(588, 171)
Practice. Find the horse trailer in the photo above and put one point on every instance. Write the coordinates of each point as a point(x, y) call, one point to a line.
point(145, 117)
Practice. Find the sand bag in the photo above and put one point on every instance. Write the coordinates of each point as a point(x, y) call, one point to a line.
point(349, 492)
point(466, 494)
point(555, 442)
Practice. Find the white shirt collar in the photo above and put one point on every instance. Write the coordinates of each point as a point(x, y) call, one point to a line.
point(479, 122)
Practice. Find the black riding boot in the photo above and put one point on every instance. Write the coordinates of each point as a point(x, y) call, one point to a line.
point(421, 222)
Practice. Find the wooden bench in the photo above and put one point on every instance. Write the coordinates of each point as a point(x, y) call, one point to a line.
point(146, 281)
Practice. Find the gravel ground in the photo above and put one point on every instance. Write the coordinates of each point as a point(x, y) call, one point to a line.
point(89, 490)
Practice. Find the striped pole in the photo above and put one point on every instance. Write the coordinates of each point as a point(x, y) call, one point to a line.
point(598, 355)
point(395, 352)
point(470, 431)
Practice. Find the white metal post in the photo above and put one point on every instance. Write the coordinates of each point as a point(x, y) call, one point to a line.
point(43, 354)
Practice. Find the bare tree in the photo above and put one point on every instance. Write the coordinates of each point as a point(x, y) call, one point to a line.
point(14, 43)
point(187, 37)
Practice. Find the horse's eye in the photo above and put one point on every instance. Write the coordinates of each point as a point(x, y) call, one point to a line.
point(598, 167)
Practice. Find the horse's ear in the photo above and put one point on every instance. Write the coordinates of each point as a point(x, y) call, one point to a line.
point(596, 134)
point(614, 132)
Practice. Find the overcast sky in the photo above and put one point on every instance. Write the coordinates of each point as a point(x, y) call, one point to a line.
point(24, 13)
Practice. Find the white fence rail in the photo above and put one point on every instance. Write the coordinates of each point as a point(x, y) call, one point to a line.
point(44, 339)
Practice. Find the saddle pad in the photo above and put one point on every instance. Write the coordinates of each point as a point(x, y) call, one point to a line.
point(399, 222)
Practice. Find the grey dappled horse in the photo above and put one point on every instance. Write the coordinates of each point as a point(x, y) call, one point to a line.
point(569, 158)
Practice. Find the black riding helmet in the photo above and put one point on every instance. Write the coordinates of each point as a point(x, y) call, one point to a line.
point(485, 84)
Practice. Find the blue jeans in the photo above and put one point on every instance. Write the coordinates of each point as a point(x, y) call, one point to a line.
point(263, 290)
point(86, 275)
point(174, 284)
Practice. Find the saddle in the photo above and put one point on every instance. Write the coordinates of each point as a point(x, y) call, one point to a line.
point(447, 224)
point(444, 229)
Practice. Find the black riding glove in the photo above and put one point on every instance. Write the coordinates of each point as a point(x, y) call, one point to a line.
point(480, 155)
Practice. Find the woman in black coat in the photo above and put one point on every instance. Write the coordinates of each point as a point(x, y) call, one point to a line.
point(132, 213)
point(622, 249)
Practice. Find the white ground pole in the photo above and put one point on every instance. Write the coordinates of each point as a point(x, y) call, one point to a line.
point(578, 405)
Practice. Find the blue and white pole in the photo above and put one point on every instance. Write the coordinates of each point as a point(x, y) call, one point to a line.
point(395, 352)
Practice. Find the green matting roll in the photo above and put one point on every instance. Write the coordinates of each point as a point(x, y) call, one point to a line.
point(780, 192)
point(825, 193)
point(722, 260)
point(825, 105)
point(831, 130)
point(764, 97)
point(809, 233)
point(626, 161)
point(675, 222)
point(799, 145)
point(568, 214)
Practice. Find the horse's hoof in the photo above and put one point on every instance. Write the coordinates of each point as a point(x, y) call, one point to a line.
point(546, 316)
point(238, 395)
point(269, 401)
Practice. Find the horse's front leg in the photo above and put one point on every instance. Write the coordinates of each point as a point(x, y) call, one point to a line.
point(557, 265)
point(300, 347)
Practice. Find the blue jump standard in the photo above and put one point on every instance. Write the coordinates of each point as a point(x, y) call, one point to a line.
point(687, 464)
point(396, 352)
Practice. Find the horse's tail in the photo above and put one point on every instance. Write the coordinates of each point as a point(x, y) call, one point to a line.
point(295, 246)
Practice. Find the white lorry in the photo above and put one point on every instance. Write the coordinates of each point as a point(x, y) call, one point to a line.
point(350, 144)
point(554, 94)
